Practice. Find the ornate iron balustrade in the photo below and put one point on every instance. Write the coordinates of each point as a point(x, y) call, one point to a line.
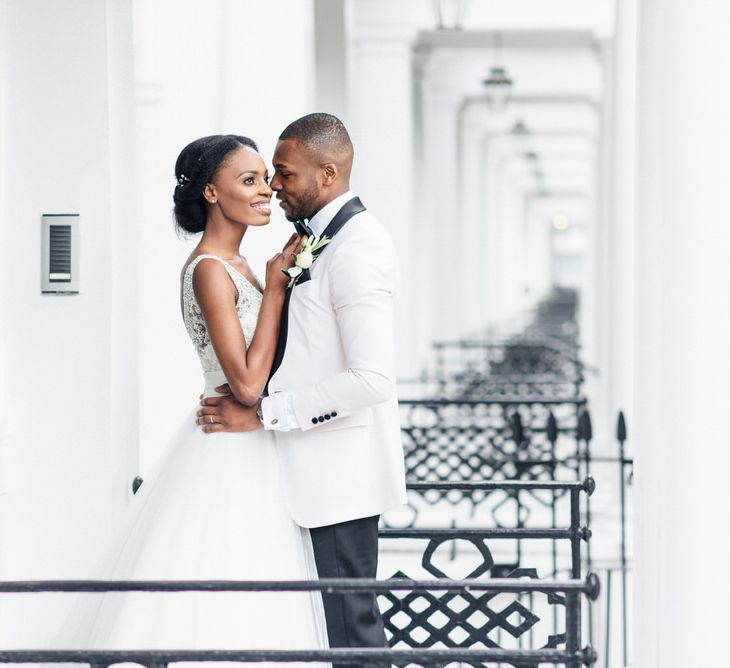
point(570, 590)
point(494, 439)
point(520, 447)
point(452, 620)
point(517, 355)
point(562, 305)
point(503, 440)
point(469, 605)
point(461, 367)
point(477, 385)
point(364, 658)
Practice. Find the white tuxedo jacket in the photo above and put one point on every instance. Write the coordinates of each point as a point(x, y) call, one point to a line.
point(346, 461)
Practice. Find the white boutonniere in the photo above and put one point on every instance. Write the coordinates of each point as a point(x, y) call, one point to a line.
point(308, 252)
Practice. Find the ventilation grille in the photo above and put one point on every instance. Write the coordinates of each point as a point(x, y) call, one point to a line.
point(60, 254)
point(59, 269)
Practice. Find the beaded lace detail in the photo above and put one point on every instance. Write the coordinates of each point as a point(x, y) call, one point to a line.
point(248, 302)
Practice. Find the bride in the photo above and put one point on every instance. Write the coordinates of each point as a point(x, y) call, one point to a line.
point(214, 509)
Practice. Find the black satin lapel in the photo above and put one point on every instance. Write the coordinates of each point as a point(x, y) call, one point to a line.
point(349, 209)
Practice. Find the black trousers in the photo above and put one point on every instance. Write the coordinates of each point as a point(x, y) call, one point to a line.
point(350, 550)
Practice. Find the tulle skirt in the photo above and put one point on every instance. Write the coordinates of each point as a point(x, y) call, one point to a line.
point(214, 509)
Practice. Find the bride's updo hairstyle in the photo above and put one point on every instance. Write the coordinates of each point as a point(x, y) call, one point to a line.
point(195, 168)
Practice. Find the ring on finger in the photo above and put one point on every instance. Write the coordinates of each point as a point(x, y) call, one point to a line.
point(211, 419)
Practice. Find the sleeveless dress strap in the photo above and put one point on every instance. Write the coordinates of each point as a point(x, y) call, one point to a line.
point(234, 275)
point(231, 271)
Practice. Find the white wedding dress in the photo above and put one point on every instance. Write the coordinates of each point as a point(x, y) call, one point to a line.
point(213, 510)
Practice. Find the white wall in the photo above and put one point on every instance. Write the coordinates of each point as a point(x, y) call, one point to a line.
point(67, 476)
point(3, 224)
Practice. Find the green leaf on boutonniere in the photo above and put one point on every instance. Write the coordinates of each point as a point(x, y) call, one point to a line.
point(321, 243)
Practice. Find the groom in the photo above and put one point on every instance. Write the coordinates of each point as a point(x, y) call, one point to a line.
point(331, 395)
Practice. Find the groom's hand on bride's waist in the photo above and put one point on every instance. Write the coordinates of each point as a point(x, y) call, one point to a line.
point(227, 414)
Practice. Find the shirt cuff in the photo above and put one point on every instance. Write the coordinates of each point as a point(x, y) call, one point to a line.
point(278, 412)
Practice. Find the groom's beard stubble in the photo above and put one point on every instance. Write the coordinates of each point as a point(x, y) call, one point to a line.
point(307, 204)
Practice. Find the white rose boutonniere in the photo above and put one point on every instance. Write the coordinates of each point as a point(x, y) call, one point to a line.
point(304, 259)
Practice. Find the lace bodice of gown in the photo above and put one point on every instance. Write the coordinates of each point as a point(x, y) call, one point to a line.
point(248, 302)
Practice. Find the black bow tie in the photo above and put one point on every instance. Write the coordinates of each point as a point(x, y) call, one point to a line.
point(302, 228)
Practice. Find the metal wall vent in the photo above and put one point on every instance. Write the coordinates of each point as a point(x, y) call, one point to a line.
point(60, 255)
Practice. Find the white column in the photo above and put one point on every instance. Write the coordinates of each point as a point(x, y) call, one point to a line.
point(617, 308)
point(444, 224)
point(682, 333)
point(330, 57)
point(623, 210)
point(493, 155)
point(510, 181)
point(610, 344)
point(471, 242)
point(124, 231)
point(538, 249)
point(4, 314)
point(596, 306)
point(382, 132)
point(3, 275)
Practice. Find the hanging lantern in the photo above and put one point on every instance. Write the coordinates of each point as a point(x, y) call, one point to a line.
point(499, 87)
point(450, 14)
point(521, 136)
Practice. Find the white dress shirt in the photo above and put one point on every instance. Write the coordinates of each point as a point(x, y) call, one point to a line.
point(278, 409)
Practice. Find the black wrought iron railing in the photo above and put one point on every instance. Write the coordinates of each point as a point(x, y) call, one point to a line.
point(470, 619)
point(526, 440)
point(449, 619)
point(517, 355)
point(508, 405)
point(474, 384)
point(518, 439)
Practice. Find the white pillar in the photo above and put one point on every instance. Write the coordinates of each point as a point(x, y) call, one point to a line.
point(496, 251)
point(471, 242)
point(382, 132)
point(596, 308)
point(538, 251)
point(3, 283)
point(330, 57)
point(622, 225)
point(511, 180)
point(124, 306)
point(444, 222)
point(682, 333)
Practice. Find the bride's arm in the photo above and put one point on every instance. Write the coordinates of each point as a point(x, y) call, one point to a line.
point(246, 370)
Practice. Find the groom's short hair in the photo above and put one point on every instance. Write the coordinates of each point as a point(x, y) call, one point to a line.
point(323, 134)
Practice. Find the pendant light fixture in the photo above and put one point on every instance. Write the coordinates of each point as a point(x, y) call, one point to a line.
point(498, 83)
point(450, 14)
